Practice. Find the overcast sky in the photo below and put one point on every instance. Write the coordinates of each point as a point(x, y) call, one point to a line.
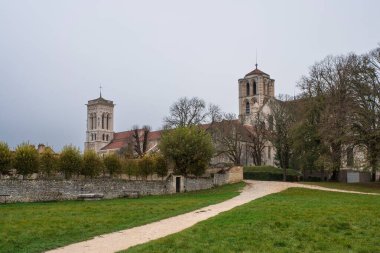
point(147, 54)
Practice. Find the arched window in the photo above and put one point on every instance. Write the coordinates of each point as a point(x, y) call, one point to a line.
point(104, 137)
point(94, 121)
point(103, 121)
point(270, 121)
point(247, 108)
point(107, 121)
point(95, 137)
point(107, 137)
point(247, 88)
point(254, 88)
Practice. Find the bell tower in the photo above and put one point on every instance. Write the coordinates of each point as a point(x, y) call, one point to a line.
point(255, 89)
point(99, 123)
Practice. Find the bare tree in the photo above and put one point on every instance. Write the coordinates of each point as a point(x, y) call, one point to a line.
point(258, 136)
point(280, 137)
point(140, 139)
point(329, 81)
point(229, 137)
point(187, 112)
point(366, 121)
point(214, 113)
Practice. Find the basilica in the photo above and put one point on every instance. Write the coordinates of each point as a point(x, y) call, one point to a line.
point(255, 90)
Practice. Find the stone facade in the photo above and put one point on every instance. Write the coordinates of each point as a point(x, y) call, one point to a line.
point(99, 124)
point(254, 91)
point(49, 190)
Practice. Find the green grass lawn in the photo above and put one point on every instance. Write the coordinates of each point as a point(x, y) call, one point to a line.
point(373, 187)
point(35, 227)
point(296, 220)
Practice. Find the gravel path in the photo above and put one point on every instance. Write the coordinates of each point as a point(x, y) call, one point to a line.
point(130, 237)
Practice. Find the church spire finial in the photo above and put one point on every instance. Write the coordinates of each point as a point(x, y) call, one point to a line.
point(100, 88)
point(256, 59)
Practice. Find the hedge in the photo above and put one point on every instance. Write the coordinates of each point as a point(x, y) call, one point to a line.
point(268, 176)
point(269, 173)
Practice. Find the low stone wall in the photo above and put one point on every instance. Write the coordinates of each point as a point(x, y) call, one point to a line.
point(235, 174)
point(200, 183)
point(229, 176)
point(49, 190)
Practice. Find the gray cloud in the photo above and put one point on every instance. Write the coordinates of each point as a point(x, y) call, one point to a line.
point(146, 54)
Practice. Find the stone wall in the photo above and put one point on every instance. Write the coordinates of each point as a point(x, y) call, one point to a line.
point(229, 176)
point(51, 190)
point(200, 183)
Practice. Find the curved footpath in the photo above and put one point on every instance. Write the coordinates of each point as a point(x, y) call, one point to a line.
point(130, 237)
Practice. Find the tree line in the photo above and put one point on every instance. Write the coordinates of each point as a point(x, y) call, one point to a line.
point(337, 112)
point(26, 160)
point(183, 150)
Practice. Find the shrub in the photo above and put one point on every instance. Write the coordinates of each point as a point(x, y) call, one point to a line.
point(70, 161)
point(146, 166)
point(130, 167)
point(26, 159)
point(5, 158)
point(113, 164)
point(48, 161)
point(161, 166)
point(269, 173)
point(92, 164)
point(189, 148)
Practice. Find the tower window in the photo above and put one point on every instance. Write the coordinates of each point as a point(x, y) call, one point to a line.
point(247, 108)
point(270, 121)
point(104, 137)
point(103, 121)
point(95, 137)
point(247, 88)
point(107, 121)
point(94, 121)
point(107, 137)
point(269, 152)
point(254, 88)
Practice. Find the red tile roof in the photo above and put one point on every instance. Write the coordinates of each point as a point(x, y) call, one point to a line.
point(256, 72)
point(121, 139)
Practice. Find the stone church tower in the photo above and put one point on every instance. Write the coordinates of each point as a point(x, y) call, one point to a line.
point(99, 123)
point(255, 89)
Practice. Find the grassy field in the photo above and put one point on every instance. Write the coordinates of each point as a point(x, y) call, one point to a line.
point(373, 187)
point(296, 220)
point(35, 227)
